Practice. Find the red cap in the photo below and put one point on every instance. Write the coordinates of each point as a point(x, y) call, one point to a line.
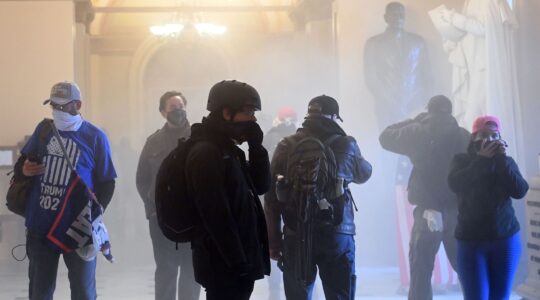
point(481, 122)
point(286, 112)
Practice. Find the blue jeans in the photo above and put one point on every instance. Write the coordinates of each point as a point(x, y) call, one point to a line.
point(333, 255)
point(486, 268)
point(43, 268)
point(168, 259)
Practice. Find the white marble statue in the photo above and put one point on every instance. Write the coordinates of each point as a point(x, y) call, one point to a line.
point(483, 59)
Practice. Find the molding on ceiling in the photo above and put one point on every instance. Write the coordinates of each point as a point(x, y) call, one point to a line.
point(192, 9)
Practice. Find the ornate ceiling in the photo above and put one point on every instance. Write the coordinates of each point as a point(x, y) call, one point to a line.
point(134, 17)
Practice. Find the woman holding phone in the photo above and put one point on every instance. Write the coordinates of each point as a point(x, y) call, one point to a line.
point(485, 180)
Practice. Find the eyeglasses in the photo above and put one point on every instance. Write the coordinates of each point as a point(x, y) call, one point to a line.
point(62, 107)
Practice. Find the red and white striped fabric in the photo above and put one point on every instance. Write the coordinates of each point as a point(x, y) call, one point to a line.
point(443, 274)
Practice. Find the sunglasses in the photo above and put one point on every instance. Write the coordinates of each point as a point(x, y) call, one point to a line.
point(62, 107)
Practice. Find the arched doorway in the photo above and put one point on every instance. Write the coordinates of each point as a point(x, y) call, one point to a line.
point(189, 67)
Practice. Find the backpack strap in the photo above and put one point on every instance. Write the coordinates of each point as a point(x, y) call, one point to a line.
point(48, 123)
point(44, 133)
point(329, 150)
point(66, 156)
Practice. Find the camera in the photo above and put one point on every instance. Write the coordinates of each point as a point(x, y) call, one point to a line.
point(502, 143)
point(479, 143)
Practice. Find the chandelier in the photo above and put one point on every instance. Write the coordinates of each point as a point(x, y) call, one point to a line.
point(175, 29)
point(190, 21)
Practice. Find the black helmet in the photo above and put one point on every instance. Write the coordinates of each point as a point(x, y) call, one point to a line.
point(233, 94)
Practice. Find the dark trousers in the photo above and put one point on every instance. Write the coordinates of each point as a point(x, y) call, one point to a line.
point(240, 291)
point(43, 268)
point(333, 256)
point(423, 248)
point(486, 268)
point(168, 259)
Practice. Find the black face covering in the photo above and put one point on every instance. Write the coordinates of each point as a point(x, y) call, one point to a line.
point(246, 131)
point(177, 117)
point(238, 131)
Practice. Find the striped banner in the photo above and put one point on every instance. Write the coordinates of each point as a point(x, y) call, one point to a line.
point(443, 274)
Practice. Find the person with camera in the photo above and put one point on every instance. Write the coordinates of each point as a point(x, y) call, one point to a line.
point(283, 125)
point(43, 161)
point(232, 251)
point(430, 141)
point(318, 214)
point(168, 256)
point(485, 180)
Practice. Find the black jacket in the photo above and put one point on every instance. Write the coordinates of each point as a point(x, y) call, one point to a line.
point(157, 147)
point(485, 187)
point(225, 189)
point(430, 141)
point(352, 167)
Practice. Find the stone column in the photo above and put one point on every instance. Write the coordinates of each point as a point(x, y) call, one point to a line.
point(315, 19)
point(531, 245)
point(84, 16)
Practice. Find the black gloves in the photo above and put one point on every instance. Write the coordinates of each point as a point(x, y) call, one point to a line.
point(246, 131)
point(254, 134)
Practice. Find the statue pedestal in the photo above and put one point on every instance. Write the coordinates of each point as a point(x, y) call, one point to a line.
point(531, 288)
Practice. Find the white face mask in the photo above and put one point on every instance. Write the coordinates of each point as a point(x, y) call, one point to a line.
point(65, 121)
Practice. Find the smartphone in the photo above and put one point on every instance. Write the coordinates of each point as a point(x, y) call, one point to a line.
point(501, 142)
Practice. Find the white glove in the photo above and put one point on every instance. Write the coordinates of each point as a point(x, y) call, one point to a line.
point(434, 220)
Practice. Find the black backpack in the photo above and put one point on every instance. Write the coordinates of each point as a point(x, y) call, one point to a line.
point(177, 214)
point(314, 193)
point(312, 177)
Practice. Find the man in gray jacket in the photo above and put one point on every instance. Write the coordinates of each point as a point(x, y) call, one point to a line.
point(167, 255)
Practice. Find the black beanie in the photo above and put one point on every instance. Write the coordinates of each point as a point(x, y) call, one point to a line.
point(440, 104)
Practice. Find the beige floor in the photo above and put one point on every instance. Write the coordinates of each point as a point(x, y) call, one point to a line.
point(115, 282)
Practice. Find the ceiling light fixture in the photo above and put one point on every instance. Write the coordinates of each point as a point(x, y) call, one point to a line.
point(167, 30)
point(175, 29)
point(210, 29)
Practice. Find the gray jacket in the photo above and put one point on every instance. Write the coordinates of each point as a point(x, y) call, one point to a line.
point(157, 147)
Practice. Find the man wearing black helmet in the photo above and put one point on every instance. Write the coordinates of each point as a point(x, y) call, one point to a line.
point(331, 242)
point(233, 251)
